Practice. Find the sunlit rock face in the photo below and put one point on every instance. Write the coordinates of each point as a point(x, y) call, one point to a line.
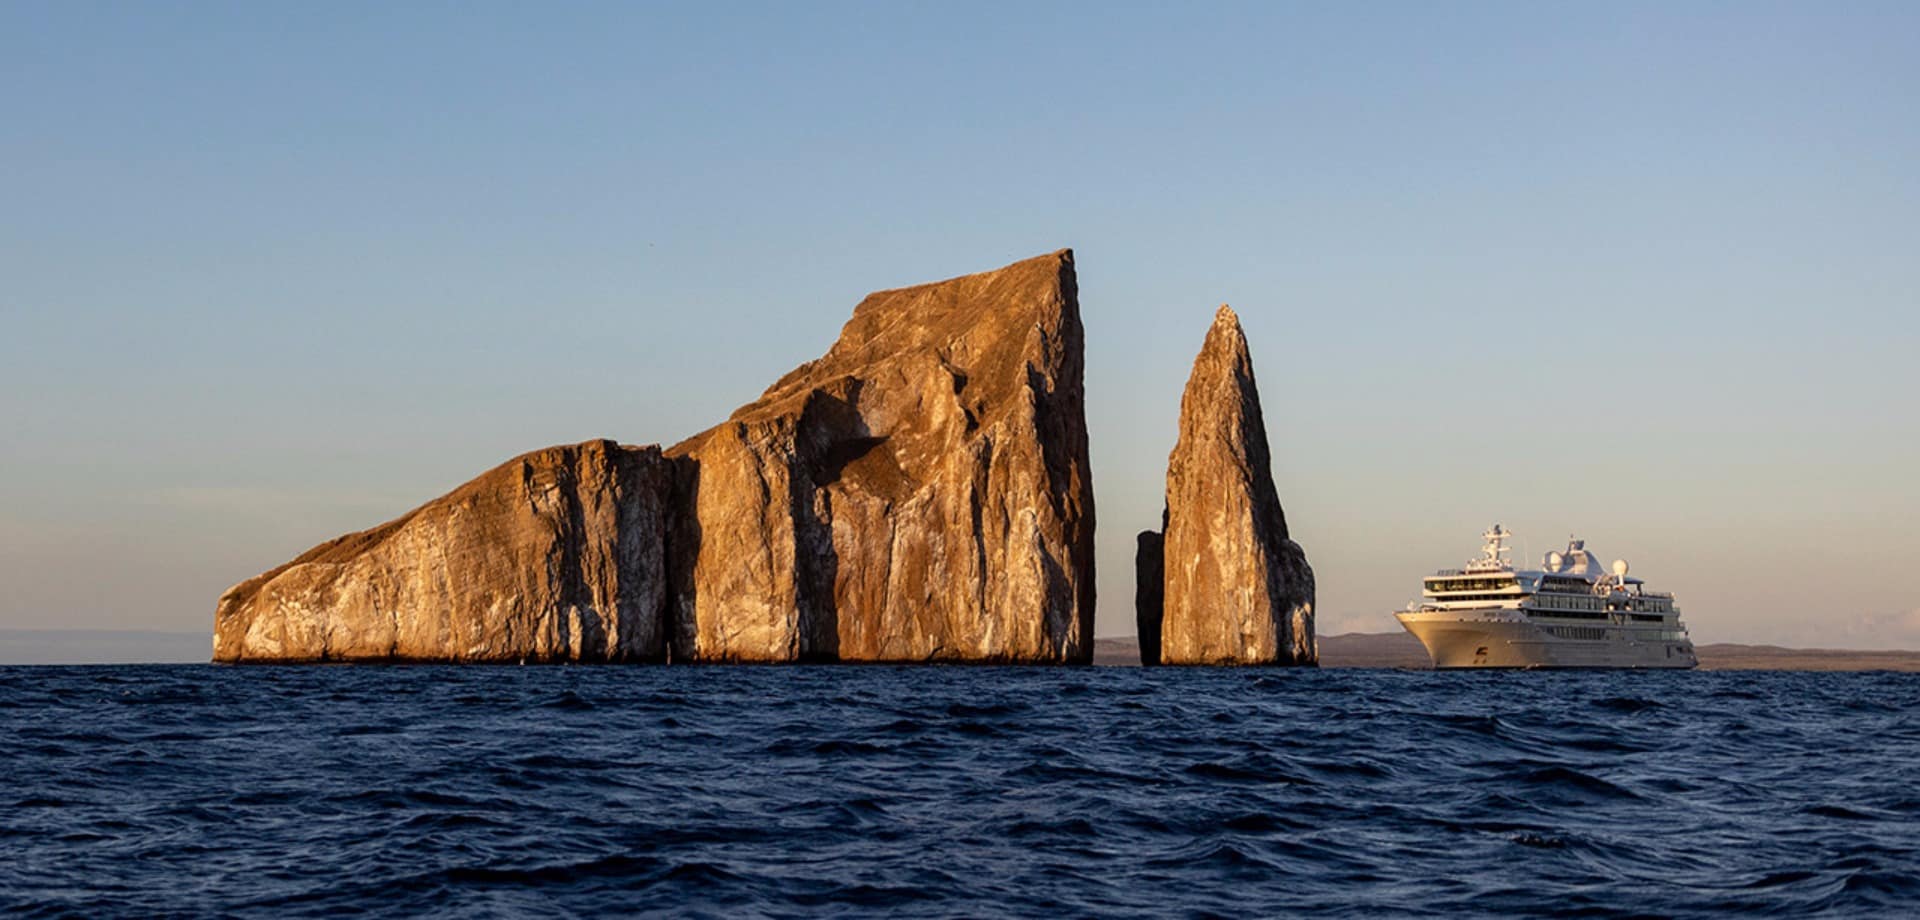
point(556, 555)
point(919, 493)
point(1235, 589)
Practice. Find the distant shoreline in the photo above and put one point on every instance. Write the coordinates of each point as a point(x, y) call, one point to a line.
point(103, 646)
point(1348, 650)
point(1400, 650)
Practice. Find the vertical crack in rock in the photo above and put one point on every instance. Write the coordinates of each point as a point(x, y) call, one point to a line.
point(1235, 589)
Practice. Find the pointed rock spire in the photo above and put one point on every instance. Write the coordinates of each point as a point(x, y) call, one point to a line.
point(1235, 589)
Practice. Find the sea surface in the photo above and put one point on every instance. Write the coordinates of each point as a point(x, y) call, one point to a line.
point(954, 792)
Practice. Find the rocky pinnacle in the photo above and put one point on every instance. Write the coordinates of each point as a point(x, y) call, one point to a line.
point(1236, 589)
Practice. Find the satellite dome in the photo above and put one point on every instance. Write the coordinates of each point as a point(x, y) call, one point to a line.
point(1620, 567)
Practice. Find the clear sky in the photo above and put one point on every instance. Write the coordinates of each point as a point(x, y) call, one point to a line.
point(1647, 272)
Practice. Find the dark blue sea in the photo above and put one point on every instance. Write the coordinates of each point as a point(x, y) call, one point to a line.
point(954, 792)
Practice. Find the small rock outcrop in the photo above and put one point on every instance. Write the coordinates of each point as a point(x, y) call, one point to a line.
point(919, 493)
point(1235, 588)
point(1149, 586)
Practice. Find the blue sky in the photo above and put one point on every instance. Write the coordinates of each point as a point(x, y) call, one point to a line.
point(1647, 272)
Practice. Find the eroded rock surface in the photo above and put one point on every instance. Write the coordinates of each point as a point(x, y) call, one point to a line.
point(919, 493)
point(1236, 589)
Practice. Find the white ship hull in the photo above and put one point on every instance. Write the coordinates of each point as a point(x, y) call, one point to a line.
point(1507, 638)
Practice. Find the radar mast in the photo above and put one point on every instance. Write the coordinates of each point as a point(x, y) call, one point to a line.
point(1496, 551)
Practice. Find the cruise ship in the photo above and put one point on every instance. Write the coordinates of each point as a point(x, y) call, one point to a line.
point(1570, 613)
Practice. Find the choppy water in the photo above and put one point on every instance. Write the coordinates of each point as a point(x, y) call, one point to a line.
point(954, 791)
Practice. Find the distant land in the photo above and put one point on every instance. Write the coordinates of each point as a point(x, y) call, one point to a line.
point(1350, 650)
point(103, 646)
point(1400, 650)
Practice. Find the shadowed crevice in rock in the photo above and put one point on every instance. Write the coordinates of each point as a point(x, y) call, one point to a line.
point(832, 436)
point(683, 546)
point(1236, 588)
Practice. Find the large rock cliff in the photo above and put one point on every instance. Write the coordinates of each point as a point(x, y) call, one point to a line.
point(1235, 589)
point(919, 493)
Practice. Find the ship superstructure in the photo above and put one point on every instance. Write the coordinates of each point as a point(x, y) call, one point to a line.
point(1569, 613)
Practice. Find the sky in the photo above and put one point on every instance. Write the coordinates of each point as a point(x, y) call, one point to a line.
point(1645, 273)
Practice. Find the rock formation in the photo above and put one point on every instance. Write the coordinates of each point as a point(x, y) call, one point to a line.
point(1149, 587)
point(1235, 588)
point(919, 493)
point(556, 555)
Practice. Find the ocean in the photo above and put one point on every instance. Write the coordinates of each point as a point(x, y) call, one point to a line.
point(954, 792)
